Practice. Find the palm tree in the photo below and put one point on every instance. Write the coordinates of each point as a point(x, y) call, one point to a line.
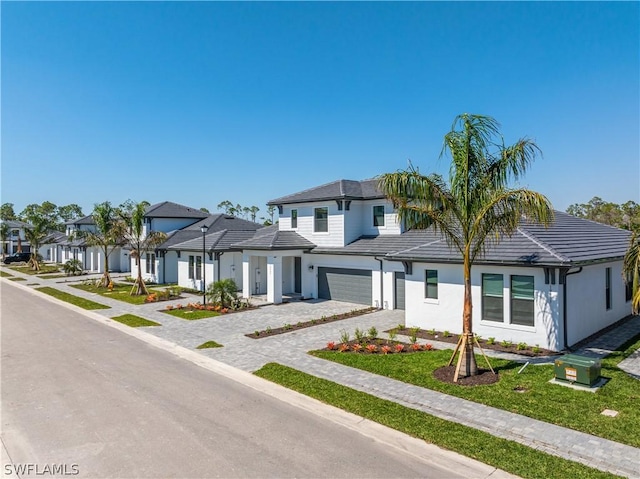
point(36, 233)
point(475, 207)
point(4, 234)
point(141, 242)
point(108, 235)
point(631, 270)
point(223, 292)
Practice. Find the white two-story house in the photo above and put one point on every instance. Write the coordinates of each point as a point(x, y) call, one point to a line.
point(548, 286)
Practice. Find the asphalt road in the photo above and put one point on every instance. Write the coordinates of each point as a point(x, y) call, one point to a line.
point(81, 394)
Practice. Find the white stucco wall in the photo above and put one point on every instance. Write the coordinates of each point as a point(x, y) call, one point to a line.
point(445, 313)
point(586, 307)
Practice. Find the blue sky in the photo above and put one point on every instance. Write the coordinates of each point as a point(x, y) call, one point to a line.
point(199, 102)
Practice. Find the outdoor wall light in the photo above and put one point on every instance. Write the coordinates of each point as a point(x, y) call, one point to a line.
point(310, 267)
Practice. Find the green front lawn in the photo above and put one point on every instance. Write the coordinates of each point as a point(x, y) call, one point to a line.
point(541, 400)
point(70, 298)
point(120, 292)
point(501, 453)
point(134, 321)
point(43, 269)
point(191, 314)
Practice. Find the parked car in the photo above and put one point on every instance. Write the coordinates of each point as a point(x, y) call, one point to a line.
point(17, 258)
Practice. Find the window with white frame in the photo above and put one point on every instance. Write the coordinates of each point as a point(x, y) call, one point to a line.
point(198, 267)
point(294, 219)
point(492, 294)
point(431, 284)
point(607, 288)
point(321, 220)
point(151, 263)
point(522, 300)
point(378, 215)
point(191, 266)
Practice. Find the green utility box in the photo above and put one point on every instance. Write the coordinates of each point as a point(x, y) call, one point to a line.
point(577, 369)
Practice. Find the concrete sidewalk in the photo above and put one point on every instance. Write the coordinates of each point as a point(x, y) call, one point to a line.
point(291, 349)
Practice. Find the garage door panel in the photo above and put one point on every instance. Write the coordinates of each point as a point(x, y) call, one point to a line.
point(341, 284)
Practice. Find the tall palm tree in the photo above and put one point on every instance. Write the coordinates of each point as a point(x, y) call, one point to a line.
point(108, 235)
point(631, 270)
point(141, 242)
point(476, 207)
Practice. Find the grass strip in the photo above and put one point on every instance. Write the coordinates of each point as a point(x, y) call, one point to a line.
point(134, 321)
point(4, 274)
point(121, 292)
point(528, 393)
point(510, 456)
point(191, 314)
point(42, 270)
point(209, 344)
point(17, 278)
point(70, 298)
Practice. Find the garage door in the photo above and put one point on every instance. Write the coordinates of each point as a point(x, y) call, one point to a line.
point(399, 290)
point(352, 285)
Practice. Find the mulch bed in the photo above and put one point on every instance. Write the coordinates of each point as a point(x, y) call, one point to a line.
point(453, 339)
point(287, 328)
point(484, 377)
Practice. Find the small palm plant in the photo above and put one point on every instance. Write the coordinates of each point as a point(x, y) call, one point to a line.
point(72, 267)
point(223, 292)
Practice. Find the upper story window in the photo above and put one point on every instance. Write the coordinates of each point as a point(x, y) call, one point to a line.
point(294, 219)
point(378, 216)
point(320, 220)
point(15, 232)
point(492, 291)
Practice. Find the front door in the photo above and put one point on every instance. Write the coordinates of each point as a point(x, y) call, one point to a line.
point(297, 275)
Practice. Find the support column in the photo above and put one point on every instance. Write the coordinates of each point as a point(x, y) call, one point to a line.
point(246, 276)
point(274, 279)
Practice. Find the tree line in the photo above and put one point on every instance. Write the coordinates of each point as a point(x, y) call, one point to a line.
point(247, 212)
point(626, 215)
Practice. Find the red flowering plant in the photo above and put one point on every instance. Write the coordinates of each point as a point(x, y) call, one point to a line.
point(386, 349)
point(399, 348)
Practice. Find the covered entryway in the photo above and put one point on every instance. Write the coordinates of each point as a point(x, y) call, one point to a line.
point(399, 290)
point(340, 284)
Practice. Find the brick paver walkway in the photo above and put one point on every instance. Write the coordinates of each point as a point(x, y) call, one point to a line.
point(290, 349)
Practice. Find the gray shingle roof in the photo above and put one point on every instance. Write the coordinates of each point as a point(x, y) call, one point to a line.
point(85, 220)
point(217, 241)
point(214, 223)
point(568, 241)
point(54, 237)
point(275, 240)
point(336, 190)
point(167, 209)
point(16, 224)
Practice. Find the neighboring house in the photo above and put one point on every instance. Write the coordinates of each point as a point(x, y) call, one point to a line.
point(552, 287)
point(51, 249)
point(74, 246)
point(182, 225)
point(17, 238)
point(182, 253)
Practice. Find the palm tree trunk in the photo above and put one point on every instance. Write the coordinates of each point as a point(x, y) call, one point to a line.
point(106, 279)
point(139, 287)
point(467, 365)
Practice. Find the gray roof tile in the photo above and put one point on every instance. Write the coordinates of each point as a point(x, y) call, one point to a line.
point(214, 223)
point(340, 189)
point(167, 209)
point(568, 241)
point(276, 240)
